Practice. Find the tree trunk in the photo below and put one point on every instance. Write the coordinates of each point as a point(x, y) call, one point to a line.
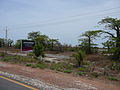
point(89, 47)
point(117, 53)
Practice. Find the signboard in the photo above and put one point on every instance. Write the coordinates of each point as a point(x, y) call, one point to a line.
point(27, 45)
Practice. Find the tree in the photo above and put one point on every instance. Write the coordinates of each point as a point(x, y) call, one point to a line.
point(89, 37)
point(79, 56)
point(1, 42)
point(108, 44)
point(113, 25)
point(9, 41)
point(38, 50)
point(52, 43)
point(42, 39)
point(38, 38)
point(33, 35)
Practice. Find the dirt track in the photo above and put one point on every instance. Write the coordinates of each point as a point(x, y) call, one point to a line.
point(56, 78)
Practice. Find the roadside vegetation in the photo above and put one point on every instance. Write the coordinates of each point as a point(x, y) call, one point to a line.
point(87, 60)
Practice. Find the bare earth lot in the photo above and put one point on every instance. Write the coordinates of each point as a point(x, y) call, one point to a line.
point(60, 79)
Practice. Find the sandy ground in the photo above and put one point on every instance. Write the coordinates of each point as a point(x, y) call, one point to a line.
point(57, 78)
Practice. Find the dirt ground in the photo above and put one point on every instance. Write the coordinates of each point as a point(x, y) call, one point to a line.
point(57, 78)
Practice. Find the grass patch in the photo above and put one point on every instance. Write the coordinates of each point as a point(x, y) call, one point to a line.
point(60, 66)
point(17, 59)
point(68, 71)
point(82, 69)
point(113, 78)
point(81, 73)
point(41, 65)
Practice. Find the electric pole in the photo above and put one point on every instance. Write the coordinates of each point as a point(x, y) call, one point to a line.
point(6, 41)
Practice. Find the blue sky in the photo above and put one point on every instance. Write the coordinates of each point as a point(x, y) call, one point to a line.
point(61, 19)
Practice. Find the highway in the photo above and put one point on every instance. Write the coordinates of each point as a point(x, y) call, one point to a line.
point(9, 84)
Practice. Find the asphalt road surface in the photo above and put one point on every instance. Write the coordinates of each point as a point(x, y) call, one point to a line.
point(9, 84)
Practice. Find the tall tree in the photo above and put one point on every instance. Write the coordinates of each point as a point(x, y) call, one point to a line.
point(89, 37)
point(112, 26)
point(33, 35)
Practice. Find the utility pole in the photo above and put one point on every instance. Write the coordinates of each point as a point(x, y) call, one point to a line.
point(6, 37)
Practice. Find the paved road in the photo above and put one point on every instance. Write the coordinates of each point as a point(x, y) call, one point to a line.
point(9, 84)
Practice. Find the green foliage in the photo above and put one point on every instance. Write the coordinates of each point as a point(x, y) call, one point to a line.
point(38, 50)
point(113, 78)
point(33, 35)
point(113, 24)
point(81, 73)
point(53, 43)
point(79, 56)
point(87, 42)
point(29, 65)
point(67, 71)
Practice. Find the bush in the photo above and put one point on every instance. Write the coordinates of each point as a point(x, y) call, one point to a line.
point(113, 78)
point(28, 64)
point(67, 71)
point(38, 50)
point(79, 56)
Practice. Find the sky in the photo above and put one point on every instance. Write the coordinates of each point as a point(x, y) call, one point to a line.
point(65, 20)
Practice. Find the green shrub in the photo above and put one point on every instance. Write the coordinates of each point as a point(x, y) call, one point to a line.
point(81, 73)
point(79, 56)
point(38, 50)
point(95, 74)
point(113, 78)
point(28, 64)
point(67, 71)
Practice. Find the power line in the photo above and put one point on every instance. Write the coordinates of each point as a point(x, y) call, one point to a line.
point(75, 16)
point(66, 21)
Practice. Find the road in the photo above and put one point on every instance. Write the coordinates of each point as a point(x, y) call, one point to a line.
point(9, 84)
